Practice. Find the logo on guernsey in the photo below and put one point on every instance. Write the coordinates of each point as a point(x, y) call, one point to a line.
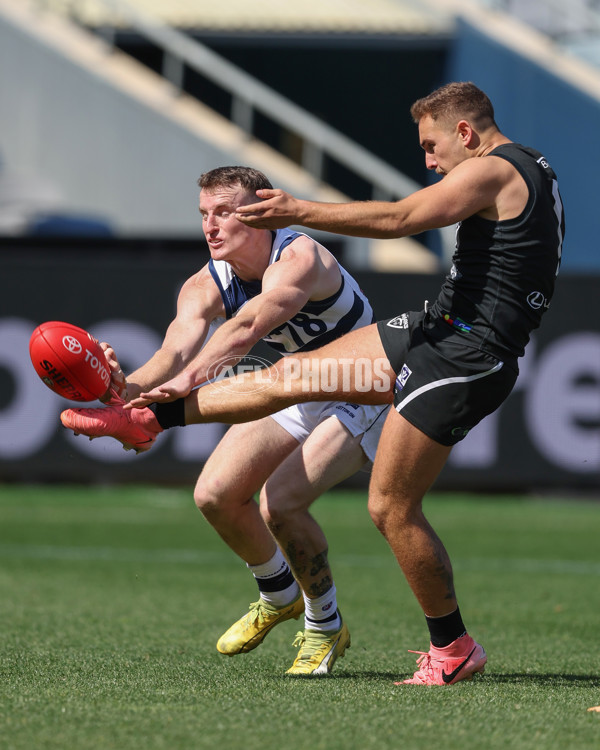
point(400, 322)
point(457, 323)
point(404, 375)
point(455, 273)
point(536, 300)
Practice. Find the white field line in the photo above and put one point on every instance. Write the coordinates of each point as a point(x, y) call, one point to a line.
point(203, 557)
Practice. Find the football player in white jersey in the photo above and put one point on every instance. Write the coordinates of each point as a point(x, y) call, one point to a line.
point(289, 290)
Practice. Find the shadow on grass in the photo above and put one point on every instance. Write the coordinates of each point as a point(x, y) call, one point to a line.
point(542, 679)
point(506, 678)
point(339, 675)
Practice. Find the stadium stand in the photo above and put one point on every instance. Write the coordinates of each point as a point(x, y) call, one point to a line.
point(514, 62)
point(574, 26)
point(39, 20)
point(333, 16)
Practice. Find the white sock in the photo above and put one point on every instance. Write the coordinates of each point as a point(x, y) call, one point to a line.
point(322, 613)
point(276, 583)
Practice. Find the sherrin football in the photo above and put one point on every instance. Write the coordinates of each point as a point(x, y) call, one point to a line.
point(69, 361)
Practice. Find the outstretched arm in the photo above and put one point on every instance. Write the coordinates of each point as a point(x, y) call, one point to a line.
point(198, 303)
point(286, 287)
point(280, 209)
point(471, 187)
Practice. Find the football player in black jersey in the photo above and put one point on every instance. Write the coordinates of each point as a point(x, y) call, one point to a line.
point(456, 361)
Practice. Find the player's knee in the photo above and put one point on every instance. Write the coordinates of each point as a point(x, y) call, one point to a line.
point(271, 514)
point(377, 510)
point(393, 512)
point(384, 510)
point(276, 506)
point(206, 496)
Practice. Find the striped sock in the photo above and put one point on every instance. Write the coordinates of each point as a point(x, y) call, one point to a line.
point(322, 613)
point(275, 581)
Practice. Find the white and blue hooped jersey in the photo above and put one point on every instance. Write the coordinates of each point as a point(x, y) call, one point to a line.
point(317, 323)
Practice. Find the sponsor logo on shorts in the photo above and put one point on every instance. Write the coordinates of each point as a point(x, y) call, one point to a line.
point(404, 375)
point(345, 409)
point(460, 432)
point(400, 322)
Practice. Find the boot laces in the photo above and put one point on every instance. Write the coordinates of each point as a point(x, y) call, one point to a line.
point(424, 661)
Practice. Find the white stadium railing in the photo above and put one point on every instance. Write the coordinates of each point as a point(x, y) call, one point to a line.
point(249, 96)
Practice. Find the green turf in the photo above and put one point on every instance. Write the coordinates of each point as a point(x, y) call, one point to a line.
point(111, 601)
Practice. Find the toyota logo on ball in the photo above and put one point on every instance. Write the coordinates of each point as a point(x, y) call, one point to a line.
point(72, 345)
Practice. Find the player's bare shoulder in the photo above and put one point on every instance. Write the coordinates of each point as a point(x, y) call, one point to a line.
point(200, 294)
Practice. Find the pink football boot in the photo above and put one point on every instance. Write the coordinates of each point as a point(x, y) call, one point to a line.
point(135, 428)
point(445, 666)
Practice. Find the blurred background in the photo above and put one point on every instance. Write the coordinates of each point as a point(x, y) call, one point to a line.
point(110, 111)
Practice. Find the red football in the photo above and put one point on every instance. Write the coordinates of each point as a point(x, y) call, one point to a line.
point(69, 361)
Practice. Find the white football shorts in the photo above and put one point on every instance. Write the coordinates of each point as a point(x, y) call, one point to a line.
point(359, 419)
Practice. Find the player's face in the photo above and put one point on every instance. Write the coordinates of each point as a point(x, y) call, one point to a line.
point(443, 146)
point(227, 237)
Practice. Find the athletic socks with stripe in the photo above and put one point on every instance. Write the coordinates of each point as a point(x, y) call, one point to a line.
point(275, 581)
point(278, 587)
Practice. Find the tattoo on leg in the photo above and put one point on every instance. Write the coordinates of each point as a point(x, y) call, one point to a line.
point(320, 565)
point(296, 559)
point(443, 569)
point(321, 587)
point(317, 567)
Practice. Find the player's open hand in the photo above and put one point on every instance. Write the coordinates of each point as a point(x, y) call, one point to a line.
point(178, 387)
point(276, 210)
point(118, 381)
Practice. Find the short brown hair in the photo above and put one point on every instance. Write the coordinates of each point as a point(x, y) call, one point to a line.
point(248, 178)
point(456, 100)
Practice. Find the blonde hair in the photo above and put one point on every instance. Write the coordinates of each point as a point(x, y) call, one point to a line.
point(455, 101)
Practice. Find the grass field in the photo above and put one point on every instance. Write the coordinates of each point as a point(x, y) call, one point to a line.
point(111, 601)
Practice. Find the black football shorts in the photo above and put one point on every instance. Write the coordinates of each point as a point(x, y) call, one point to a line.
point(442, 387)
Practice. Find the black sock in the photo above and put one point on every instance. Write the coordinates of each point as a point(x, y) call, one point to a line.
point(171, 414)
point(444, 630)
point(276, 583)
